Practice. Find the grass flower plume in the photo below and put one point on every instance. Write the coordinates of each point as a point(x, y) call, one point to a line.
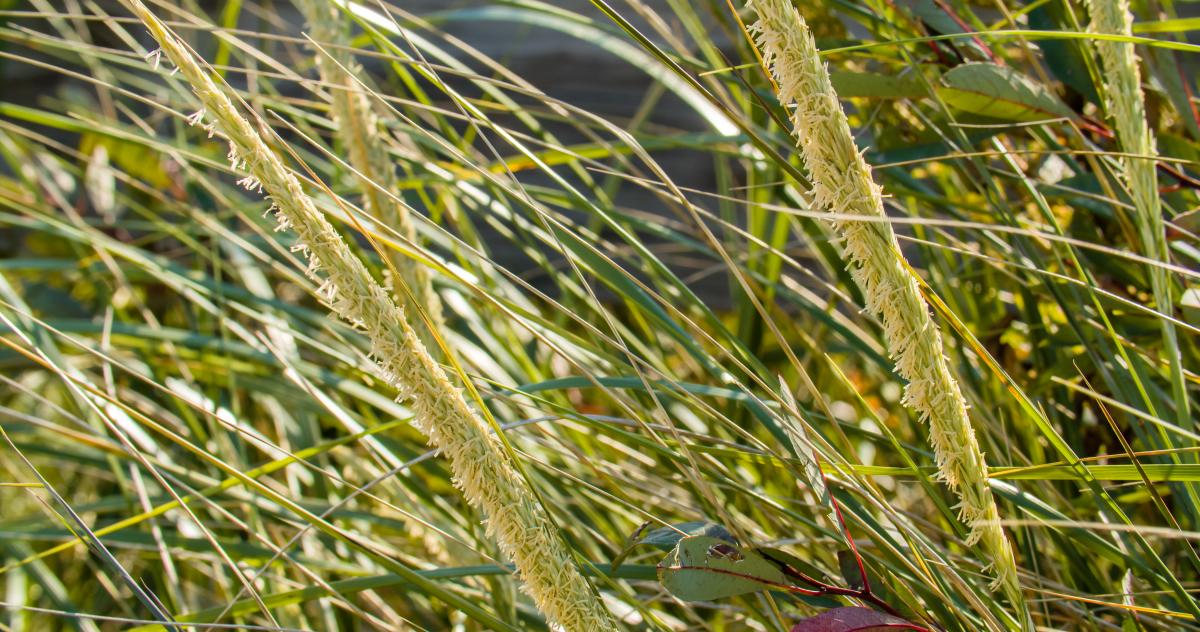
point(1122, 87)
point(358, 131)
point(539, 355)
point(842, 184)
point(485, 473)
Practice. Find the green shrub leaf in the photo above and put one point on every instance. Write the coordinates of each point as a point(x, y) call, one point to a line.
point(999, 92)
point(667, 538)
point(873, 85)
point(848, 563)
point(702, 568)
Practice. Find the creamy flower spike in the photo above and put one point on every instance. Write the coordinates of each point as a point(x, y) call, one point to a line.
point(358, 130)
point(484, 472)
point(842, 184)
point(1126, 105)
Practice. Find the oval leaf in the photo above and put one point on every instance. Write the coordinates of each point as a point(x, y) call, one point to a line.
point(667, 537)
point(782, 558)
point(854, 620)
point(702, 568)
point(999, 92)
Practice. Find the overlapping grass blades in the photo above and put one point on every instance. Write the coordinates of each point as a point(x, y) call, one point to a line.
point(632, 280)
point(842, 185)
point(482, 469)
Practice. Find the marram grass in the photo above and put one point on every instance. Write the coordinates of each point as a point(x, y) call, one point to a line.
point(842, 184)
point(487, 476)
point(1122, 89)
point(358, 131)
point(629, 346)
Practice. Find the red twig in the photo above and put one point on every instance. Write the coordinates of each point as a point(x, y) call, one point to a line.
point(941, 4)
point(822, 588)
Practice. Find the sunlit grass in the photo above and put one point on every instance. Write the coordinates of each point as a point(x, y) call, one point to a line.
point(190, 436)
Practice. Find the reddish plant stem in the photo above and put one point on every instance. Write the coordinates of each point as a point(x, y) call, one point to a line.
point(987, 50)
point(820, 588)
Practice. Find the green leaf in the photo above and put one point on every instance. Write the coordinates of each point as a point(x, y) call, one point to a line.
point(702, 568)
point(1066, 59)
point(999, 92)
point(1169, 69)
point(848, 563)
point(940, 22)
point(667, 538)
point(934, 17)
point(779, 556)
